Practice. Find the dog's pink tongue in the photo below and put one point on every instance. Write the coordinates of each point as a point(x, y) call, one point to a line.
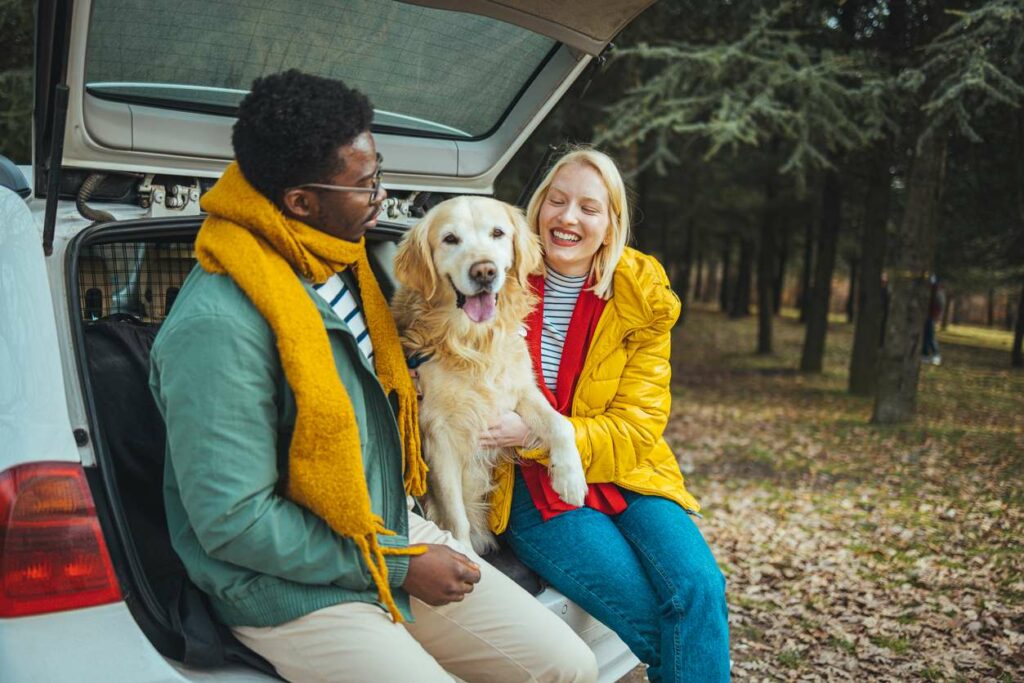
point(480, 307)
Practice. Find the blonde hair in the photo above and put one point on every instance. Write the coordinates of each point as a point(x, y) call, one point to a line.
point(602, 268)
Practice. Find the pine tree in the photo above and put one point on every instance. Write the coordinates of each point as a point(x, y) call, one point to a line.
point(775, 88)
point(974, 65)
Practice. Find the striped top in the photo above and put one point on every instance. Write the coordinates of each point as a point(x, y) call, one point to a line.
point(339, 296)
point(560, 295)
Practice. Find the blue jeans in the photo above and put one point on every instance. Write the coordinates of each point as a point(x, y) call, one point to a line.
point(646, 573)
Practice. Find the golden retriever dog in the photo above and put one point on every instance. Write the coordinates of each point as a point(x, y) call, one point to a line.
point(464, 295)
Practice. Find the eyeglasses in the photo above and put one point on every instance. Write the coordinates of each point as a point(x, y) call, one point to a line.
point(373, 190)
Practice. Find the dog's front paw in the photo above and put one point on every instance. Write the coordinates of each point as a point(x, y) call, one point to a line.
point(483, 541)
point(568, 481)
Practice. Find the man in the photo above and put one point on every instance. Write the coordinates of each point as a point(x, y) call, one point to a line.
point(291, 420)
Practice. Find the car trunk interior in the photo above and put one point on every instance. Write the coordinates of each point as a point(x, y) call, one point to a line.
point(123, 280)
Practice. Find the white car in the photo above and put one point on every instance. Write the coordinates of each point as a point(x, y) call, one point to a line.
point(134, 106)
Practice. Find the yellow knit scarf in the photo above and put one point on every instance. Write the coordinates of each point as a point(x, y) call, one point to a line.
point(249, 239)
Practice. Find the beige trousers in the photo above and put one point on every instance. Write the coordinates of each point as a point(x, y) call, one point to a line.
point(498, 633)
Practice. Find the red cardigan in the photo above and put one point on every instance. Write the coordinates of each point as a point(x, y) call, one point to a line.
point(604, 497)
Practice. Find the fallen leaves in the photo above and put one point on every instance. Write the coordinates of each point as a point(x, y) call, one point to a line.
point(855, 552)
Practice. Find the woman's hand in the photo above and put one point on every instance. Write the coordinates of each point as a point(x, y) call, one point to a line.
point(509, 430)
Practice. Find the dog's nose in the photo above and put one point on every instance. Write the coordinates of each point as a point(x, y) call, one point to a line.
point(483, 272)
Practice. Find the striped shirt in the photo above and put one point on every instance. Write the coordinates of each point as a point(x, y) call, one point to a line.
point(560, 295)
point(339, 296)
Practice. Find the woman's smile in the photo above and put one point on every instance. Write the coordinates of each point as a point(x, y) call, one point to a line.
point(574, 219)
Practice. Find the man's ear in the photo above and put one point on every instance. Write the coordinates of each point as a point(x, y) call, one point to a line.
point(414, 265)
point(527, 256)
point(299, 203)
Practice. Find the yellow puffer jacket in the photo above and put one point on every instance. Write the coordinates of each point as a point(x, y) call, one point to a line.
point(622, 398)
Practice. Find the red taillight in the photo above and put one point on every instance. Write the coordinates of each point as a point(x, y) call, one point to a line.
point(52, 553)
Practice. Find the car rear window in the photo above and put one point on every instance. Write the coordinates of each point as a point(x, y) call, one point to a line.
point(429, 71)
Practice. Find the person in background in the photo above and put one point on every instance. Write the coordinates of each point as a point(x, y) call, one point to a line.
point(600, 339)
point(936, 305)
point(292, 435)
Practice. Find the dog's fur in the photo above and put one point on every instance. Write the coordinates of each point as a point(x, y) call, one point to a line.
point(475, 370)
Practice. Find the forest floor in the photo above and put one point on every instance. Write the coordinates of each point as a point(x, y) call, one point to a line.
point(856, 552)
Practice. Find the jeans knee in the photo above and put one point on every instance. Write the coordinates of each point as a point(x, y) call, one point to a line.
point(704, 591)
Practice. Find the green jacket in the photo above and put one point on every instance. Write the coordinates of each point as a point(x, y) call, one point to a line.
point(219, 384)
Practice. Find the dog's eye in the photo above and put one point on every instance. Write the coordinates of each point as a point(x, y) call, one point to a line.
point(497, 232)
point(450, 239)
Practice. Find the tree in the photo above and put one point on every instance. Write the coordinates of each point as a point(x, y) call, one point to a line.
point(766, 264)
point(740, 307)
point(867, 335)
point(974, 64)
point(806, 269)
point(1017, 350)
point(812, 359)
point(914, 249)
point(773, 84)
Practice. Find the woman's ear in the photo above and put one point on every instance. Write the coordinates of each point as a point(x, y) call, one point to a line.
point(414, 265)
point(527, 256)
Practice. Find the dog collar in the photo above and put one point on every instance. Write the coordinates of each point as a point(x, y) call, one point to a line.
point(417, 359)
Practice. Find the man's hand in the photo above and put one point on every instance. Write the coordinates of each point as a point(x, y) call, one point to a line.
point(441, 575)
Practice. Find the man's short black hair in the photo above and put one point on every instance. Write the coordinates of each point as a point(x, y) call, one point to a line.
point(290, 127)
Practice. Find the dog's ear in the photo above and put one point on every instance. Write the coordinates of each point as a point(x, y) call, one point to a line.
point(414, 265)
point(527, 256)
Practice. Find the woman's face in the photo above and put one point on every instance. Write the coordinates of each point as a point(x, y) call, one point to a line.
point(574, 219)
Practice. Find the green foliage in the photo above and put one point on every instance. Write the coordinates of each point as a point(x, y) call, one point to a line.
point(976, 64)
point(777, 82)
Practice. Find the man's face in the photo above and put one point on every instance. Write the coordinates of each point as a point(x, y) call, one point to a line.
point(339, 213)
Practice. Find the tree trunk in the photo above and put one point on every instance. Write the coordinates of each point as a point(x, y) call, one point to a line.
point(1017, 353)
point(854, 287)
point(710, 281)
point(744, 275)
point(813, 357)
point(683, 287)
point(698, 285)
point(900, 364)
point(766, 271)
point(725, 289)
point(805, 276)
point(946, 311)
point(991, 301)
point(780, 272)
point(1008, 313)
point(870, 315)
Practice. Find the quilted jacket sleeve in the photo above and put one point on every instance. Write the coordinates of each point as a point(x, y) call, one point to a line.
point(616, 440)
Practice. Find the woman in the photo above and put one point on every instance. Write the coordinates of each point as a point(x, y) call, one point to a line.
point(632, 556)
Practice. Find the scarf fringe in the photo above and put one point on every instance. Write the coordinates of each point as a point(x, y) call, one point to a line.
point(373, 554)
point(415, 467)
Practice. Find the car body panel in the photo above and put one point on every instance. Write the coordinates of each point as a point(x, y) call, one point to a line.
point(92, 645)
point(586, 25)
point(34, 422)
